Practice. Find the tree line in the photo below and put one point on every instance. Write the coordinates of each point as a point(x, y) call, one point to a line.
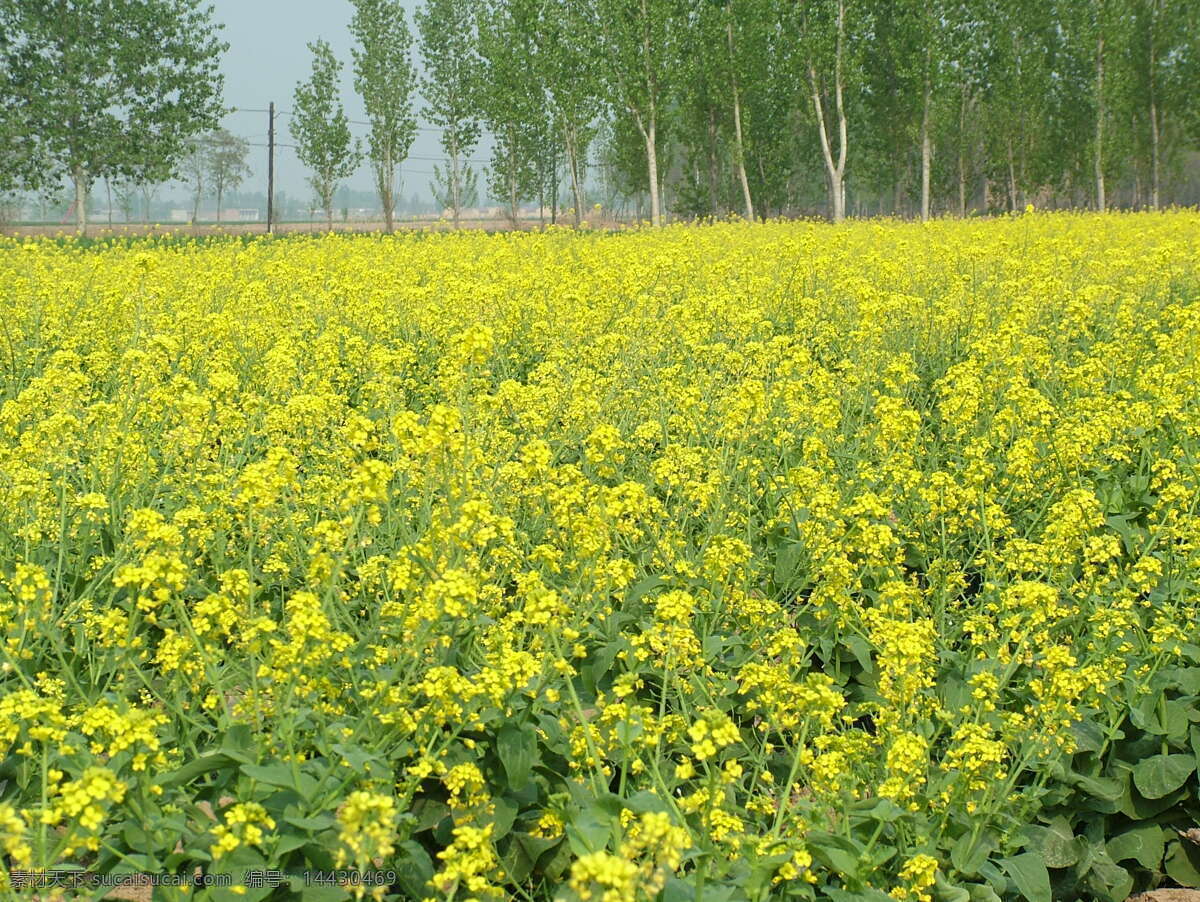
point(770, 107)
point(693, 108)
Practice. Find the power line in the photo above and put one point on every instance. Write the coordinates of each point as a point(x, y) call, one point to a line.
point(246, 109)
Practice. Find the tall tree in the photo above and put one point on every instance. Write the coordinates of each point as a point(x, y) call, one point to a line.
point(826, 33)
point(932, 21)
point(739, 22)
point(639, 41)
point(451, 86)
point(1164, 58)
point(227, 167)
point(109, 88)
point(385, 78)
point(512, 99)
point(321, 130)
point(572, 86)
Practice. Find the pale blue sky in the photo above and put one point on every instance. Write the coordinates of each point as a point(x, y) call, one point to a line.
point(268, 55)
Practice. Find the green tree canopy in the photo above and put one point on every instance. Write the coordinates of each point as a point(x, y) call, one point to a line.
point(98, 89)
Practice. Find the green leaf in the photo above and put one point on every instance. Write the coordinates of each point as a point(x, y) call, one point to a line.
point(591, 828)
point(645, 802)
point(1163, 774)
point(1186, 679)
point(534, 846)
point(1144, 844)
point(238, 743)
point(271, 774)
point(968, 857)
point(1183, 863)
point(944, 891)
point(1028, 872)
point(517, 748)
point(208, 763)
point(1088, 736)
point(1109, 789)
point(878, 810)
point(317, 822)
point(503, 817)
point(861, 649)
point(291, 842)
point(414, 869)
point(835, 852)
point(1109, 881)
point(844, 895)
point(787, 561)
point(981, 892)
point(1175, 720)
point(1059, 848)
point(643, 587)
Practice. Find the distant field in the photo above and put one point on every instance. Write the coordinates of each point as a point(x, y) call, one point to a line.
point(258, 228)
point(729, 563)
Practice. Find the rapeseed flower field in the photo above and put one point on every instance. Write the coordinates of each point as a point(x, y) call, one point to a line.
point(718, 563)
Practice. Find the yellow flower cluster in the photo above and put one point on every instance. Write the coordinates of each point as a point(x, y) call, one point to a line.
point(446, 538)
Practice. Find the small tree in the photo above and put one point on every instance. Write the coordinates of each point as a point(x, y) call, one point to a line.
point(195, 169)
point(321, 129)
point(148, 191)
point(384, 76)
point(227, 167)
point(454, 192)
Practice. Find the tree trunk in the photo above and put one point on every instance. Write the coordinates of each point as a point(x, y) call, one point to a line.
point(80, 178)
point(763, 210)
point(455, 183)
point(962, 155)
point(710, 152)
point(835, 173)
point(553, 181)
point(1012, 179)
point(926, 144)
point(739, 153)
point(387, 191)
point(650, 130)
point(1154, 172)
point(573, 164)
point(652, 171)
point(1101, 201)
point(220, 194)
point(512, 179)
point(108, 195)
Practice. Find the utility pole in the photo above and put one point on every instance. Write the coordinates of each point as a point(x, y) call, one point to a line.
point(271, 167)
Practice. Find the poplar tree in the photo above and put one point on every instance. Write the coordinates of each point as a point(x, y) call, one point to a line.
point(639, 41)
point(448, 42)
point(321, 130)
point(384, 77)
point(227, 167)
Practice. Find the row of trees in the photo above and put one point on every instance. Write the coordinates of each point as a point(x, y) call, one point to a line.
point(700, 106)
point(773, 106)
point(104, 90)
